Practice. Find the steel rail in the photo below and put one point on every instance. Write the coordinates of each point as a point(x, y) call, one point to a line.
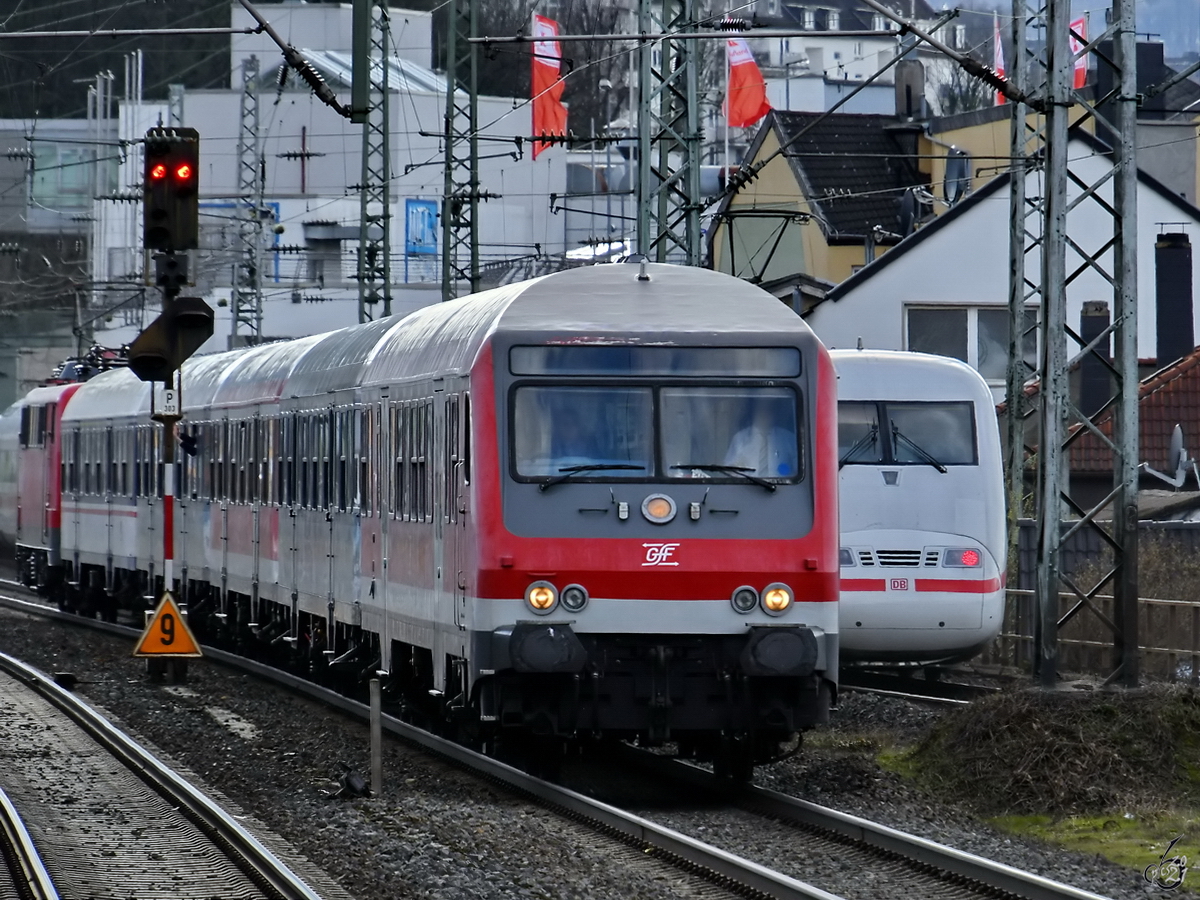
point(690, 853)
point(35, 881)
point(259, 863)
point(710, 862)
point(977, 869)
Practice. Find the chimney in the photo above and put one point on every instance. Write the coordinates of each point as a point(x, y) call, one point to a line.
point(1095, 381)
point(910, 90)
point(1173, 297)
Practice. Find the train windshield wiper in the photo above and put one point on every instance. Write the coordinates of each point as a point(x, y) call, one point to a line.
point(870, 439)
point(570, 472)
point(899, 436)
point(744, 471)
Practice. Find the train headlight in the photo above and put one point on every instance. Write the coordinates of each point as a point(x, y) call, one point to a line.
point(658, 508)
point(776, 598)
point(744, 599)
point(845, 556)
point(962, 558)
point(541, 597)
point(574, 597)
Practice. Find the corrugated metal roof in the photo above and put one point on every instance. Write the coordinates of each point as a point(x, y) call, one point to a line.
point(336, 67)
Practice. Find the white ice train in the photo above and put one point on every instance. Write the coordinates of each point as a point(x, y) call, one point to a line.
point(923, 552)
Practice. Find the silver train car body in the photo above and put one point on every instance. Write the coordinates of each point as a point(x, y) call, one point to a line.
point(921, 499)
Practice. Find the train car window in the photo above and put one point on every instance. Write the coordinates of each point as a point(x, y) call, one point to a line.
point(26, 418)
point(932, 433)
point(113, 485)
point(859, 438)
point(51, 418)
point(326, 425)
point(426, 461)
point(40, 436)
point(705, 362)
point(289, 451)
point(609, 430)
point(450, 456)
point(729, 433)
point(343, 450)
point(467, 438)
point(363, 445)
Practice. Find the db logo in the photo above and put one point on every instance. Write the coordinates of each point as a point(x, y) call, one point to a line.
point(899, 584)
point(660, 554)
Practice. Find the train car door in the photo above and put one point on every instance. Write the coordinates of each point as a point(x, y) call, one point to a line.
point(456, 503)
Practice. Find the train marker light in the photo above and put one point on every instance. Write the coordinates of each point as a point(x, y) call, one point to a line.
point(845, 556)
point(776, 598)
point(541, 597)
point(961, 558)
point(574, 597)
point(745, 599)
point(658, 508)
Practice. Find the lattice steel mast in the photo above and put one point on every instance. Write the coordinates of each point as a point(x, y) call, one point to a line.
point(1071, 190)
point(246, 305)
point(375, 216)
point(461, 194)
point(668, 187)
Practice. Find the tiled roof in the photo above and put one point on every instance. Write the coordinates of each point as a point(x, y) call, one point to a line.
point(1167, 398)
point(853, 168)
point(853, 14)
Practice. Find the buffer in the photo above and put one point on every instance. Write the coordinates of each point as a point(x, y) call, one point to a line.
point(167, 634)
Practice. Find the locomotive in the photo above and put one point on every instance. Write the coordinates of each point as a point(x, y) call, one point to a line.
point(599, 503)
point(923, 550)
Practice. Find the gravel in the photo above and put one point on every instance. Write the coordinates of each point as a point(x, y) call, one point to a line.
point(437, 832)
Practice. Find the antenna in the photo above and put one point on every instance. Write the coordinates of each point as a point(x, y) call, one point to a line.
point(1177, 459)
point(958, 175)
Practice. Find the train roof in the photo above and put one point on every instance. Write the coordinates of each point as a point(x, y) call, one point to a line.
point(594, 303)
point(906, 375)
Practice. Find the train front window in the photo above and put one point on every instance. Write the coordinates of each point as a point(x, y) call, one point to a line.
point(606, 431)
point(944, 432)
point(719, 432)
point(859, 440)
point(904, 434)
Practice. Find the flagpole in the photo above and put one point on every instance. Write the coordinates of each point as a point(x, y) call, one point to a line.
point(728, 110)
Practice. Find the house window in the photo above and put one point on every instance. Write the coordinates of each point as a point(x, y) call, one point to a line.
point(960, 36)
point(976, 335)
point(879, 22)
point(833, 20)
point(808, 20)
point(772, 7)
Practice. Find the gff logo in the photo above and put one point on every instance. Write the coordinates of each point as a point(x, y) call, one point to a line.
point(659, 554)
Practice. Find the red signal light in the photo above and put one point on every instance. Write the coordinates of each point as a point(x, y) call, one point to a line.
point(183, 172)
point(970, 558)
point(158, 171)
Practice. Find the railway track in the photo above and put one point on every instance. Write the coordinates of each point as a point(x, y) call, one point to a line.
point(24, 876)
point(866, 846)
point(108, 818)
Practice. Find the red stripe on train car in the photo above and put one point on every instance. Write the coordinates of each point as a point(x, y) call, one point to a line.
point(963, 586)
point(864, 584)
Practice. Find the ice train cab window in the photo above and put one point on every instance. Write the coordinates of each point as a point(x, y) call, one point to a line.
point(899, 433)
point(607, 430)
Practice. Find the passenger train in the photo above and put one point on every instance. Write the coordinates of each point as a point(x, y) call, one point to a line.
point(921, 487)
point(601, 502)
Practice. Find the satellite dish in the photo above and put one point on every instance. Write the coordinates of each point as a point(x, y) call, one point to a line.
point(909, 207)
point(958, 175)
point(1177, 462)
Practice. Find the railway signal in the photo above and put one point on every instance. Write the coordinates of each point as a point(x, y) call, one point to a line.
point(170, 190)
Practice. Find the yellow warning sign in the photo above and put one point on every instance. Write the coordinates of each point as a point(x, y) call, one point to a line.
point(167, 634)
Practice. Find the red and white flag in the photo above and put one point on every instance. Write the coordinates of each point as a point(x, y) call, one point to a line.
point(746, 96)
point(1079, 27)
point(998, 56)
point(549, 114)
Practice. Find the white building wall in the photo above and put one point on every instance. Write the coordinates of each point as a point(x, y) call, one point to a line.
point(966, 263)
point(321, 26)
